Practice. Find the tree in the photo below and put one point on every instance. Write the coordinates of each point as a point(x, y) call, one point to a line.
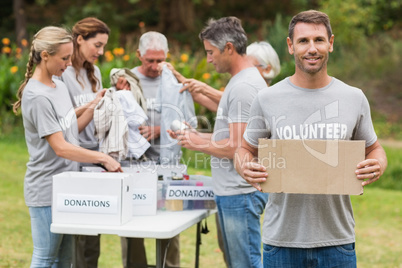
point(176, 16)
point(20, 20)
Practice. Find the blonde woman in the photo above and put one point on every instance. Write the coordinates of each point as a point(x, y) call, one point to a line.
point(51, 134)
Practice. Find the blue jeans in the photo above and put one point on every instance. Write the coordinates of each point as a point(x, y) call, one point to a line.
point(49, 249)
point(343, 256)
point(239, 217)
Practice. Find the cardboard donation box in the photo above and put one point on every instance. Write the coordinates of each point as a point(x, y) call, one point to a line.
point(144, 193)
point(311, 166)
point(163, 171)
point(144, 189)
point(166, 187)
point(92, 198)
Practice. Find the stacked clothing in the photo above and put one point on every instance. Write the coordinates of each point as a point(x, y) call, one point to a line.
point(118, 116)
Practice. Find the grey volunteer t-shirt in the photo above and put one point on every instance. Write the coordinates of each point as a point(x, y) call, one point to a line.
point(150, 88)
point(234, 107)
point(81, 93)
point(45, 111)
point(335, 112)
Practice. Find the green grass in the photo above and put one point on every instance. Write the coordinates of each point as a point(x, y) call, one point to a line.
point(392, 178)
point(378, 218)
point(377, 212)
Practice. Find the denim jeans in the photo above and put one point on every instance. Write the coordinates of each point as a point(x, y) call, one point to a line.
point(343, 256)
point(49, 249)
point(239, 217)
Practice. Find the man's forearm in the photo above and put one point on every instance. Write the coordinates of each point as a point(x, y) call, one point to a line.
point(379, 154)
point(242, 155)
point(220, 149)
point(213, 94)
point(205, 101)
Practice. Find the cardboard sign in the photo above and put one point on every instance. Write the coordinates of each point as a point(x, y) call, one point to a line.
point(311, 166)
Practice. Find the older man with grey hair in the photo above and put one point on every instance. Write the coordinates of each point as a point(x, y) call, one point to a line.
point(152, 50)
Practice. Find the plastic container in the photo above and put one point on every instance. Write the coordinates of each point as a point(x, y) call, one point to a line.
point(195, 193)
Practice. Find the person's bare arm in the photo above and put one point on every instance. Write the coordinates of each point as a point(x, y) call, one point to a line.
point(202, 93)
point(150, 132)
point(197, 87)
point(66, 150)
point(85, 113)
point(372, 168)
point(247, 165)
point(203, 142)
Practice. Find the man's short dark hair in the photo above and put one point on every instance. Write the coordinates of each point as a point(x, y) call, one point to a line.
point(228, 29)
point(310, 16)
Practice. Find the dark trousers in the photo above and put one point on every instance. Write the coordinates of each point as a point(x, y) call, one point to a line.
point(138, 257)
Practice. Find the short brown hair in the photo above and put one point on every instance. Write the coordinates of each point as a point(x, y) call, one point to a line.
point(310, 16)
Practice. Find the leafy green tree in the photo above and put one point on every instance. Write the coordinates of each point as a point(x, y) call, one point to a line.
point(354, 19)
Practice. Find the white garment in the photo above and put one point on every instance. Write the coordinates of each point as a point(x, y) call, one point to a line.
point(173, 105)
point(135, 117)
point(111, 128)
point(133, 80)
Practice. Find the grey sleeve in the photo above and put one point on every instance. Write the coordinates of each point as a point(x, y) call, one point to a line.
point(239, 102)
point(257, 126)
point(44, 117)
point(364, 128)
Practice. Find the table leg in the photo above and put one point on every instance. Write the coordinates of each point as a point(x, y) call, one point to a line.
point(197, 245)
point(128, 253)
point(159, 254)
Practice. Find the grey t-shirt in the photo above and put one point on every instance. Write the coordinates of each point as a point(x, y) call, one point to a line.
point(45, 111)
point(81, 94)
point(150, 88)
point(234, 107)
point(285, 111)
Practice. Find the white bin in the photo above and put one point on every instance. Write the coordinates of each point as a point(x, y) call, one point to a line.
point(92, 198)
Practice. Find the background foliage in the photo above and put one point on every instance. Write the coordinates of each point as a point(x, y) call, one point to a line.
point(367, 42)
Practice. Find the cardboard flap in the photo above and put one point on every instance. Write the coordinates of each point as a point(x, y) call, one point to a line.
point(311, 166)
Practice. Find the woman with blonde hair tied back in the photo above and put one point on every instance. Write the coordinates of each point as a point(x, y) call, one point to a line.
point(51, 134)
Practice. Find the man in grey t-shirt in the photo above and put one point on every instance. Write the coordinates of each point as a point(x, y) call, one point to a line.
point(152, 50)
point(239, 204)
point(305, 230)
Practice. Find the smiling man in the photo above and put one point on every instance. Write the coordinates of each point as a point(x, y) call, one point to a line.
point(305, 230)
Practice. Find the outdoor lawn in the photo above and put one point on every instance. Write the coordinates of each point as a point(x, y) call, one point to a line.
point(378, 220)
